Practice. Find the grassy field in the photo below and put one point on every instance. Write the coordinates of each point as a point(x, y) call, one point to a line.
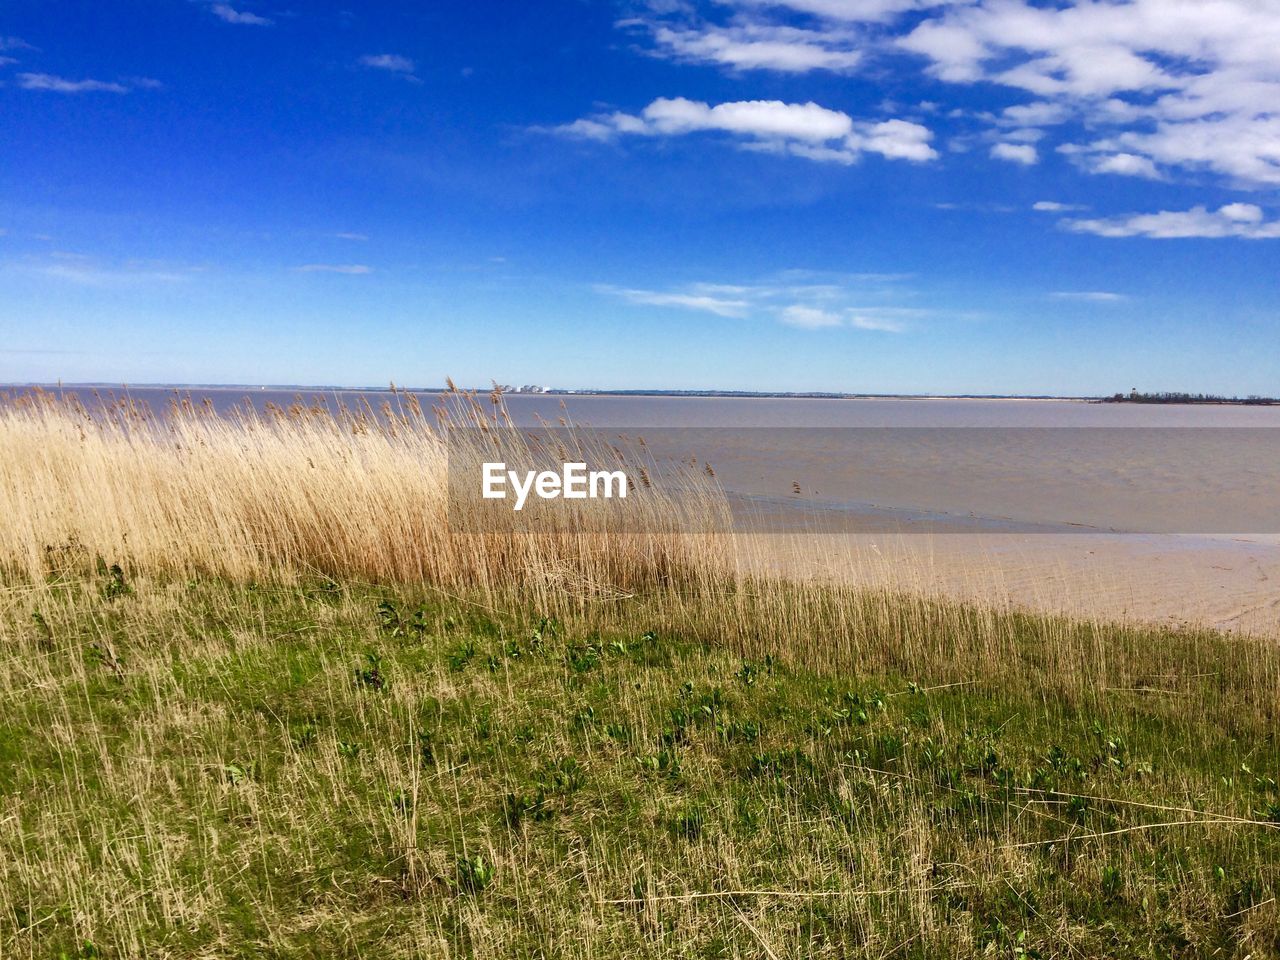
point(195, 768)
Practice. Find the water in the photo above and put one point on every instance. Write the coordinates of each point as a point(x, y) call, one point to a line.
point(649, 411)
point(1005, 464)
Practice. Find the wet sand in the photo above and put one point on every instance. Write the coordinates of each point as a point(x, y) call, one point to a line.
point(1180, 581)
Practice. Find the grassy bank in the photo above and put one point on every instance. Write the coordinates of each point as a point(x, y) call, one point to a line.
point(259, 696)
point(191, 767)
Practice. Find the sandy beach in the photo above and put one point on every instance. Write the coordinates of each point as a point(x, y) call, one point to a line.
point(1227, 583)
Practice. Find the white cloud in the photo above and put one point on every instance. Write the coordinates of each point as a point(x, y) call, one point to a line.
point(1183, 83)
point(587, 129)
point(1023, 153)
point(808, 306)
point(975, 207)
point(766, 119)
point(754, 46)
point(809, 318)
point(1053, 206)
point(852, 11)
point(1037, 114)
point(1242, 212)
point(874, 321)
point(104, 277)
point(720, 306)
point(14, 43)
point(1127, 165)
point(54, 84)
point(1089, 296)
point(813, 318)
point(346, 235)
point(393, 62)
point(762, 34)
point(1122, 164)
point(802, 129)
point(1161, 86)
point(353, 269)
point(1233, 220)
point(1023, 135)
point(229, 14)
point(730, 289)
point(897, 140)
point(86, 271)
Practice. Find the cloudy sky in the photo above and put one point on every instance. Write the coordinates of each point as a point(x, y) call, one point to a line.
point(995, 196)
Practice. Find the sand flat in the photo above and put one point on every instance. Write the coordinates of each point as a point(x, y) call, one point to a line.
point(1228, 583)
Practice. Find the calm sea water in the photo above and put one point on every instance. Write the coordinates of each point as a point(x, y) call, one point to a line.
point(1061, 463)
point(605, 411)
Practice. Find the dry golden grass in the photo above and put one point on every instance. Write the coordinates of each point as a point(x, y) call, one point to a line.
point(345, 493)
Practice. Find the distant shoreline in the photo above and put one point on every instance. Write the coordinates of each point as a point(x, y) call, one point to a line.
point(550, 392)
point(248, 388)
point(1190, 399)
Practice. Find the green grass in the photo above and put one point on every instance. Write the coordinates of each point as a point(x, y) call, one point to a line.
point(199, 769)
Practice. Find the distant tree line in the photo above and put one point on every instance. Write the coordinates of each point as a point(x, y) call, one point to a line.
point(1133, 396)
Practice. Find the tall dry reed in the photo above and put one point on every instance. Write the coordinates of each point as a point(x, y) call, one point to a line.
point(351, 493)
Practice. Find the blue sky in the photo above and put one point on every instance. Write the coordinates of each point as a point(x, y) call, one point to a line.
point(993, 196)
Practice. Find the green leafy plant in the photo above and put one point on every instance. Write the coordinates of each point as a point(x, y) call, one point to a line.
point(399, 624)
point(1112, 881)
point(548, 627)
point(751, 671)
point(115, 585)
point(517, 807)
point(370, 675)
point(665, 763)
point(305, 735)
point(461, 655)
point(583, 658)
point(473, 874)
